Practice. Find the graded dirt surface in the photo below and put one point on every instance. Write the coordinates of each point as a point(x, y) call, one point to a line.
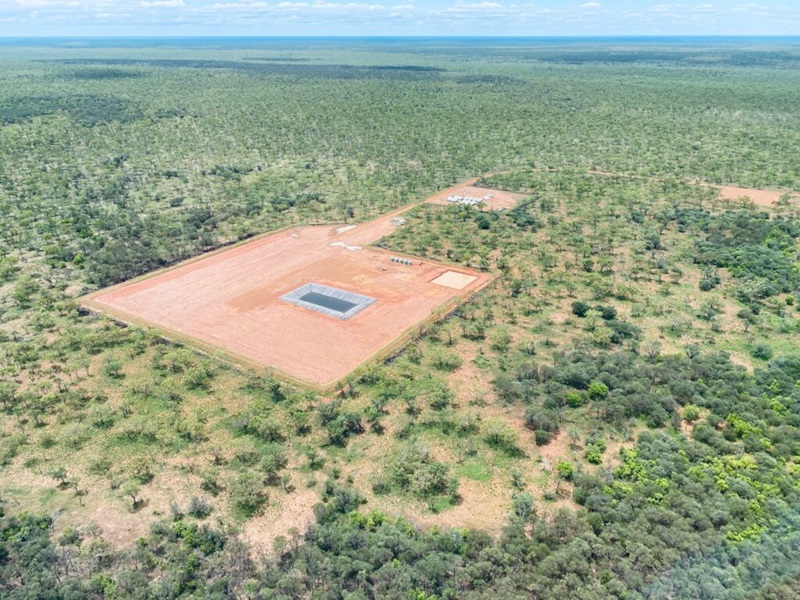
point(500, 200)
point(230, 300)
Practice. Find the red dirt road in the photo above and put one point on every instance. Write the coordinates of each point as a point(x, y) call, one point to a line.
point(230, 299)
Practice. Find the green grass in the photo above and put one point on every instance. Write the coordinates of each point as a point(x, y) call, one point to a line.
point(441, 504)
point(474, 471)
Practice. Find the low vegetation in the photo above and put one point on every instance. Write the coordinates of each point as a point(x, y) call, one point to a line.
point(615, 417)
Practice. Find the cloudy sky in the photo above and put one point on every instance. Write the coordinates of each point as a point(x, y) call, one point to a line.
point(396, 17)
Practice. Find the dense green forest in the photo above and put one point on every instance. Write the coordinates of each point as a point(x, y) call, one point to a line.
point(618, 416)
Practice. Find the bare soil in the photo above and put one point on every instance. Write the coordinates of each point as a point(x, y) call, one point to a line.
point(292, 515)
point(483, 507)
point(760, 197)
point(230, 300)
point(500, 200)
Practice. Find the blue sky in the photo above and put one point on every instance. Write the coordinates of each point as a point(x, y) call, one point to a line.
point(396, 17)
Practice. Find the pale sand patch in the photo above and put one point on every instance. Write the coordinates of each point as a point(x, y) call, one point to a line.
point(484, 507)
point(560, 318)
point(101, 506)
point(454, 280)
point(294, 512)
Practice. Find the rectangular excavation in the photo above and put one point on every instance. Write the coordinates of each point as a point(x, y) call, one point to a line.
point(328, 301)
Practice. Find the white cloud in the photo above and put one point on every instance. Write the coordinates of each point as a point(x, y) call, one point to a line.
point(477, 8)
point(376, 17)
point(163, 3)
point(238, 5)
point(329, 7)
point(38, 4)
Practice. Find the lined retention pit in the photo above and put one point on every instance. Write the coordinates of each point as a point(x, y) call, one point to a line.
point(334, 304)
point(328, 300)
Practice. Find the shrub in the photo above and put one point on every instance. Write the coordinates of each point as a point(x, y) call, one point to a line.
point(112, 368)
point(76, 436)
point(315, 460)
point(594, 451)
point(272, 462)
point(261, 425)
point(565, 470)
point(691, 412)
point(131, 489)
point(622, 330)
point(99, 466)
point(523, 506)
point(608, 313)
point(538, 418)
point(446, 361)
point(381, 486)
point(579, 309)
point(413, 470)
point(761, 352)
point(247, 493)
point(205, 539)
point(575, 399)
point(210, 482)
point(501, 437)
point(597, 390)
point(501, 340)
point(593, 456)
point(709, 281)
point(199, 377)
point(339, 424)
point(246, 453)
point(199, 507)
point(101, 415)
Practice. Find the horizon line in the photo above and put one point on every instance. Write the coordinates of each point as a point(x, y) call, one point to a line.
point(402, 36)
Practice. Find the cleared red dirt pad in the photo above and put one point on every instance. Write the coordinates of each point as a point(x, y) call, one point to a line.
point(230, 300)
point(759, 197)
point(500, 200)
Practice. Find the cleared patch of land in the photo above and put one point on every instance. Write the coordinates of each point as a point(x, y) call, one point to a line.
point(759, 197)
point(231, 300)
point(491, 199)
point(766, 198)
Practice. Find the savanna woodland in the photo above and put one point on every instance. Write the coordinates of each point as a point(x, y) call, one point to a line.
point(616, 416)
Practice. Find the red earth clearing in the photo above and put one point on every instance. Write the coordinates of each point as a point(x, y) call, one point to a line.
point(228, 302)
point(759, 197)
point(492, 199)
